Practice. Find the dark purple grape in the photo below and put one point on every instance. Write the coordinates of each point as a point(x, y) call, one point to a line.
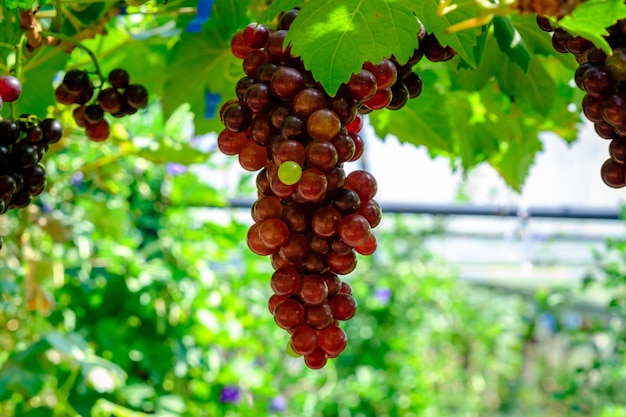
point(76, 81)
point(35, 177)
point(287, 19)
point(136, 96)
point(34, 134)
point(93, 114)
point(544, 23)
point(52, 130)
point(8, 185)
point(613, 173)
point(399, 96)
point(617, 150)
point(110, 100)
point(414, 84)
point(25, 155)
point(242, 86)
point(434, 51)
point(9, 132)
point(119, 78)
point(598, 81)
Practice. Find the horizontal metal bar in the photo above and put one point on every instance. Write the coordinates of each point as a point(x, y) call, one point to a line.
point(579, 213)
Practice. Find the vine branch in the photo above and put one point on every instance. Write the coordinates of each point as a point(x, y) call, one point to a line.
point(79, 45)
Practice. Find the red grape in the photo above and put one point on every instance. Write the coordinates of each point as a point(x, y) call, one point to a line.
point(343, 306)
point(304, 340)
point(10, 88)
point(285, 281)
point(289, 314)
point(313, 289)
point(332, 340)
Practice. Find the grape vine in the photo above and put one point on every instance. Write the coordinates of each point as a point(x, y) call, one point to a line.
point(310, 217)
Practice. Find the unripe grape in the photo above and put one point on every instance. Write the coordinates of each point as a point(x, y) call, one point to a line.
point(289, 172)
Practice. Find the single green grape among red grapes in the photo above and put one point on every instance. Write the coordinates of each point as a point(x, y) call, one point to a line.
point(289, 172)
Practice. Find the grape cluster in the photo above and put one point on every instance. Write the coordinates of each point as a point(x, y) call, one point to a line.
point(603, 79)
point(23, 142)
point(119, 99)
point(310, 217)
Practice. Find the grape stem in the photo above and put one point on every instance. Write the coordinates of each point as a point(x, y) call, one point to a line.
point(19, 57)
point(78, 44)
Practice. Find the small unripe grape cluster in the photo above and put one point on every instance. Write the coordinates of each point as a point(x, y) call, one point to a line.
point(119, 99)
point(603, 78)
point(310, 217)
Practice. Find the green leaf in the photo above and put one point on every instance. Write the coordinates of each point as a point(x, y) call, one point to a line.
point(518, 154)
point(187, 190)
point(463, 42)
point(335, 37)
point(23, 4)
point(536, 88)
point(230, 15)
point(591, 18)
point(200, 62)
point(510, 42)
point(423, 121)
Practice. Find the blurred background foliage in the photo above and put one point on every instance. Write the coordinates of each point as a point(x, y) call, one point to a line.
point(128, 290)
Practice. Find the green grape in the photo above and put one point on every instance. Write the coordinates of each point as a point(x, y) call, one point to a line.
point(289, 172)
point(290, 351)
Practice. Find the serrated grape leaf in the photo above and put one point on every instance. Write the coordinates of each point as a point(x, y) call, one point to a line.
point(536, 88)
point(476, 137)
point(335, 37)
point(591, 18)
point(463, 42)
point(424, 121)
point(518, 153)
point(510, 42)
point(200, 62)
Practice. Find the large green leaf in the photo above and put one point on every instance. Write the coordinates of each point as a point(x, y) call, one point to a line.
point(463, 42)
point(536, 88)
point(520, 147)
point(335, 37)
point(200, 63)
point(424, 121)
point(510, 42)
point(230, 15)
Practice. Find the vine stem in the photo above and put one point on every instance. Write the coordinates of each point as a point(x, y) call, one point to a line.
point(78, 45)
point(19, 57)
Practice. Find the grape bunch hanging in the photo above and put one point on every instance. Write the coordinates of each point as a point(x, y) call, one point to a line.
point(310, 218)
point(603, 78)
point(119, 99)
